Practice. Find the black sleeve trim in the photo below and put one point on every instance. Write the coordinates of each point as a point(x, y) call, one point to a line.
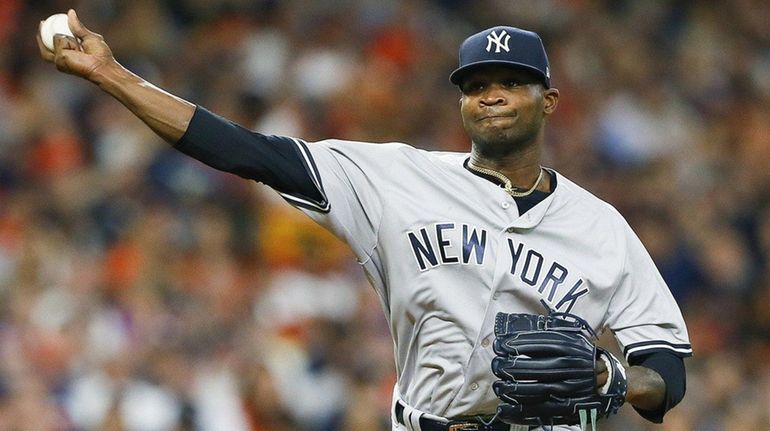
point(283, 163)
point(647, 347)
point(300, 200)
point(671, 368)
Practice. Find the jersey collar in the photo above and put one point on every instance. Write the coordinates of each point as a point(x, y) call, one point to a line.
point(535, 215)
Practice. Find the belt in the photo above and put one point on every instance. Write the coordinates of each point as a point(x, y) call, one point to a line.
point(427, 424)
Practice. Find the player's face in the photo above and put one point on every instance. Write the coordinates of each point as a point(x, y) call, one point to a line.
point(504, 108)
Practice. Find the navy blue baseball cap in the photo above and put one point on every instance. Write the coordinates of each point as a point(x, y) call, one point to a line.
point(506, 46)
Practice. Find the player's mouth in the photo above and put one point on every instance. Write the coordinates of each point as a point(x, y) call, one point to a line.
point(494, 117)
point(495, 114)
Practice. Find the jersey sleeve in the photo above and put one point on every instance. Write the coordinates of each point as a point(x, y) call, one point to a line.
point(340, 184)
point(354, 178)
point(642, 311)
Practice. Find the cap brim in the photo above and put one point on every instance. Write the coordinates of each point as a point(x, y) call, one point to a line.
point(457, 76)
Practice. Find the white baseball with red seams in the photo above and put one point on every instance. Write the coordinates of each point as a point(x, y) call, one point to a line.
point(54, 24)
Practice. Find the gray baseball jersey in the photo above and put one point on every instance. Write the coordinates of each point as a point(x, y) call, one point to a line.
point(446, 250)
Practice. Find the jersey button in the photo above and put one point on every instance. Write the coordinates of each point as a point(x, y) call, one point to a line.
point(485, 342)
point(511, 230)
point(505, 205)
point(474, 386)
point(495, 295)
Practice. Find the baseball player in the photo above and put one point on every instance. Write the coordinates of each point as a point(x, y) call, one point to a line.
point(449, 240)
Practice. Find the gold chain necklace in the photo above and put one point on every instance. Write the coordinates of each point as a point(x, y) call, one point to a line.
point(507, 185)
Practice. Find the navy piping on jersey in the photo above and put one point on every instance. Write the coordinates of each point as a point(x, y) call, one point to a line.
point(280, 162)
point(312, 170)
point(646, 347)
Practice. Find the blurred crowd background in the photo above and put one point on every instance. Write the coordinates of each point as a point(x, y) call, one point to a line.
point(143, 291)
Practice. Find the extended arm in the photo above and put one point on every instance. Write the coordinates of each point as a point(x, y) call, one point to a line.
point(277, 161)
point(92, 59)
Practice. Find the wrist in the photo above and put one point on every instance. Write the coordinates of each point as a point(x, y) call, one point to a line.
point(110, 76)
point(613, 367)
point(646, 388)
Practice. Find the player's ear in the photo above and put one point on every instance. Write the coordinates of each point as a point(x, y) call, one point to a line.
point(550, 100)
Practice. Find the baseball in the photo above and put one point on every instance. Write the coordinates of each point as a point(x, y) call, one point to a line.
point(54, 24)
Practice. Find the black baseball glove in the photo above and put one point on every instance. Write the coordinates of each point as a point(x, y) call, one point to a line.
point(547, 371)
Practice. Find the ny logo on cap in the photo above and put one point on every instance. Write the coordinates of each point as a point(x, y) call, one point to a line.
point(500, 41)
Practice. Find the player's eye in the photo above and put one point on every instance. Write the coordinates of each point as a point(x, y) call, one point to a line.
point(511, 83)
point(472, 87)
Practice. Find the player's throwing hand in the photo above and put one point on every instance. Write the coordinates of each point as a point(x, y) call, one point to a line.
point(81, 56)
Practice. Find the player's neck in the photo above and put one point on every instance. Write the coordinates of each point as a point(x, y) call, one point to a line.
point(522, 167)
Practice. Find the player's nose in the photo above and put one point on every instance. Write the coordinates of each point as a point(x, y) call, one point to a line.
point(493, 95)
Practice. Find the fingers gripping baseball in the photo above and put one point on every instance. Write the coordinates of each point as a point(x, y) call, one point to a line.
point(81, 55)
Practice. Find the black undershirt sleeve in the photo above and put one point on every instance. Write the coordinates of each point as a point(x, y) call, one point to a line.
point(276, 161)
point(671, 368)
